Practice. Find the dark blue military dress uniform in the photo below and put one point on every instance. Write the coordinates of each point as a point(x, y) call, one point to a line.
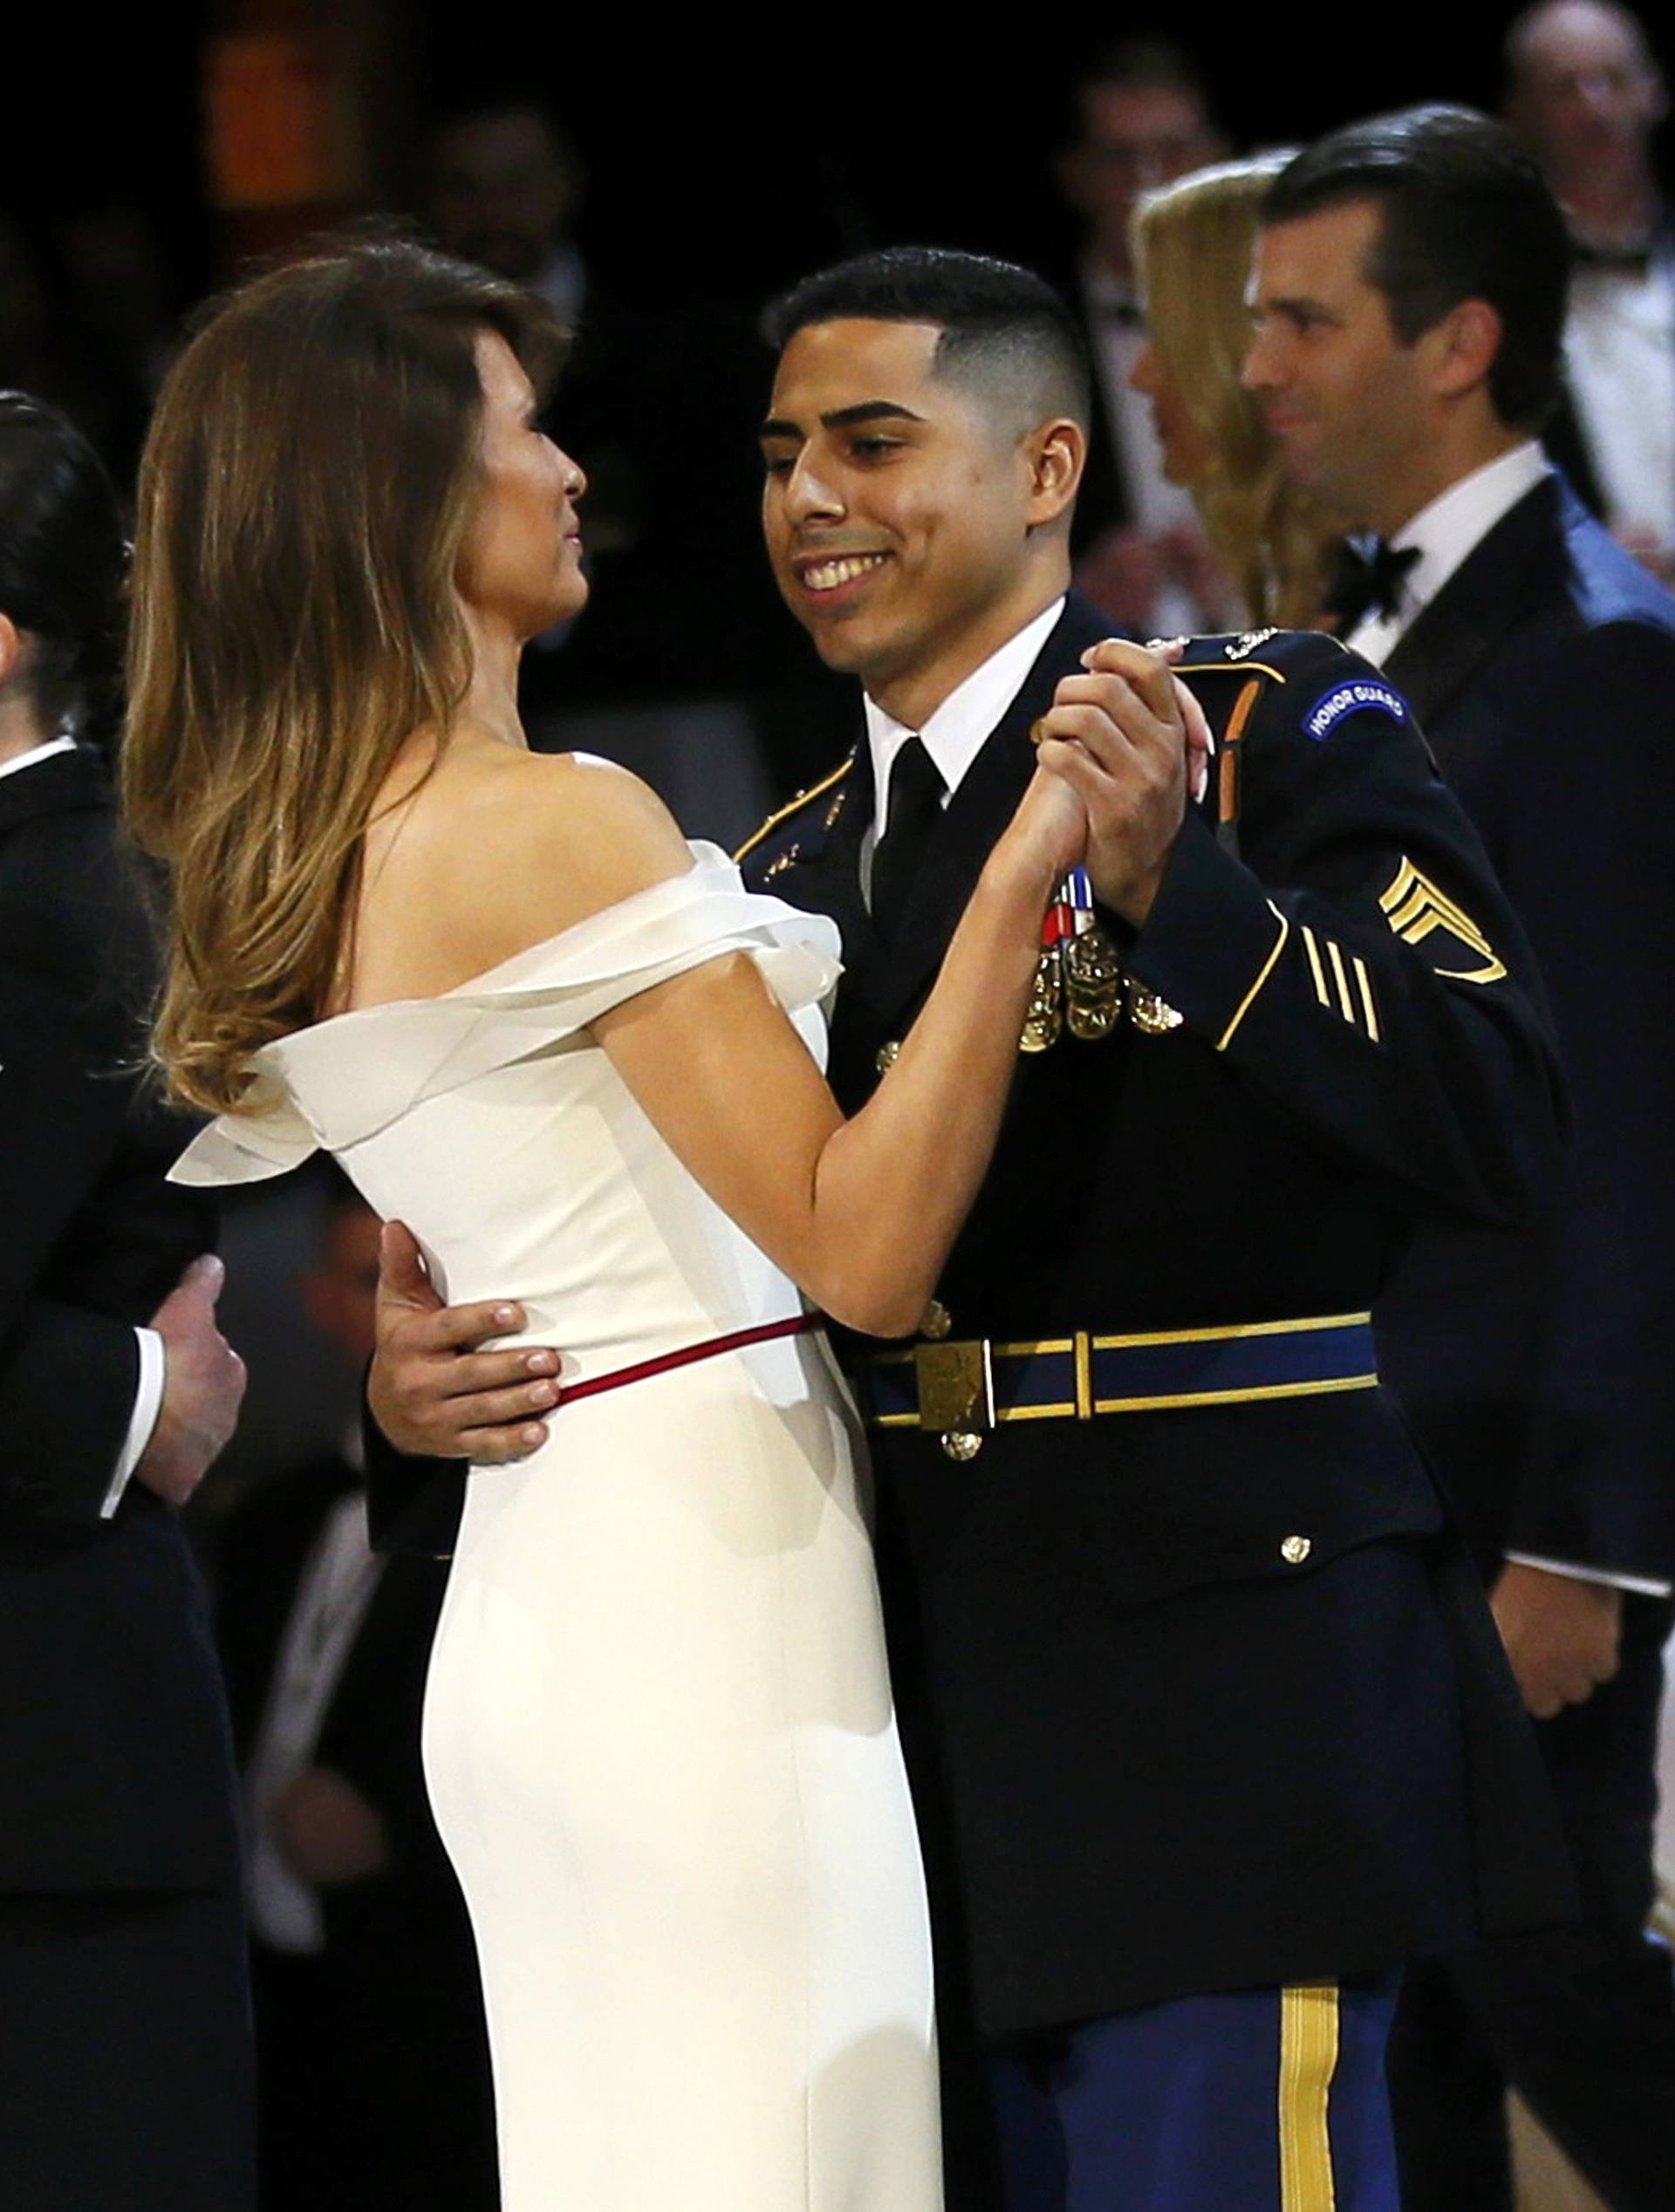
point(1199, 1696)
point(1208, 1724)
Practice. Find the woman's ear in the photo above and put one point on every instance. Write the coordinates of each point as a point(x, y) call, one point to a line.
point(11, 647)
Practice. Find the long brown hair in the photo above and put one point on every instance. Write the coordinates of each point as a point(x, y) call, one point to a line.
point(305, 486)
point(1192, 243)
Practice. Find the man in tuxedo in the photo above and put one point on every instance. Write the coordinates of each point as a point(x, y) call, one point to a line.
point(1583, 89)
point(1410, 292)
point(125, 2060)
point(1208, 1730)
point(373, 2058)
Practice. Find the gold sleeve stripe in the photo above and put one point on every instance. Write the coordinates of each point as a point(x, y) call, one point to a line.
point(1313, 950)
point(1363, 983)
point(1345, 1005)
point(1308, 2062)
point(1249, 1000)
point(785, 812)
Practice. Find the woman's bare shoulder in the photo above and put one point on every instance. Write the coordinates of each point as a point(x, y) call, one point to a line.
point(571, 814)
point(498, 850)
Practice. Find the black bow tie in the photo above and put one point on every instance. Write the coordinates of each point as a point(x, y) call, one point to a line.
point(1367, 579)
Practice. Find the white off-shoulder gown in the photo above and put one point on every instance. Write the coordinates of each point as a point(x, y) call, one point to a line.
point(658, 1732)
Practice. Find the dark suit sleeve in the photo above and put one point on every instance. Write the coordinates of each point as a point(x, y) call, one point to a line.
point(68, 1382)
point(1356, 962)
point(67, 1376)
point(1588, 851)
point(413, 1506)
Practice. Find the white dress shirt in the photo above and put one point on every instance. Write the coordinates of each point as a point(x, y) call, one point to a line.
point(1446, 532)
point(1619, 354)
point(149, 1397)
point(955, 735)
point(333, 1592)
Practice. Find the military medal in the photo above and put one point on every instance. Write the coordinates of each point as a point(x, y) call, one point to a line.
point(1093, 984)
point(1043, 1021)
point(1150, 1012)
point(1091, 972)
point(1078, 978)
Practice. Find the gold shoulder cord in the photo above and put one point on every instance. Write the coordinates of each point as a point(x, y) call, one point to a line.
point(793, 805)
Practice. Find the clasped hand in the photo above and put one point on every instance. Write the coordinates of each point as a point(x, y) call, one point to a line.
point(1131, 741)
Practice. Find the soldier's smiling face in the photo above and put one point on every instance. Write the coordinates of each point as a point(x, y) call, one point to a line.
point(1346, 400)
point(897, 505)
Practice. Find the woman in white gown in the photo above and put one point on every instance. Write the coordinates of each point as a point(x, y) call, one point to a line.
point(532, 1022)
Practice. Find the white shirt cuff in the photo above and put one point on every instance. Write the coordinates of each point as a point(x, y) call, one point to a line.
point(1645, 1585)
point(147, 1403)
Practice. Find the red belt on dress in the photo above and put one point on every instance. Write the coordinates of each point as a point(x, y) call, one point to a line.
point(712, 1348)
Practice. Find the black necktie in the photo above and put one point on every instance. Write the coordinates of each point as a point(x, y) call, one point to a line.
point(1368, 578)
point(916, 789)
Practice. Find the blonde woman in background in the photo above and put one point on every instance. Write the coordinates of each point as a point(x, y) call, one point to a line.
point(1191, 244)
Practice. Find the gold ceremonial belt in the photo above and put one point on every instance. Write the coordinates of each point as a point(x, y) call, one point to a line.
point(959, 1389)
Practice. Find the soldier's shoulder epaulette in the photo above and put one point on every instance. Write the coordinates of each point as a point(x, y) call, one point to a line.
point(1281, 656)
point(791, 815)
point(1324, 683)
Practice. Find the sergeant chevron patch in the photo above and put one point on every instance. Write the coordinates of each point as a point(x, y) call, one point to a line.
point(1415, 909)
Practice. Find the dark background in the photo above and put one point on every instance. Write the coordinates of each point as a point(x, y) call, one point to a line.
point(722, 159)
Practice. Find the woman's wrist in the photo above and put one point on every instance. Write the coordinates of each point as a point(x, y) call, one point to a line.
point(1015, 891)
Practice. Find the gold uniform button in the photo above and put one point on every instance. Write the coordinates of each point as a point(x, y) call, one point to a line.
point(935, 1321)
point(888, 1056)
point(1295, 1550)
point(962, 1444)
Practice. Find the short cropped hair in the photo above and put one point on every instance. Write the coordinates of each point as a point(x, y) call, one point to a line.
point(1001, 325)
point(1468, 216)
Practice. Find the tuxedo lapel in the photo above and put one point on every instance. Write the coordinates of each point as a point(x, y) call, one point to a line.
point(67, 783)
point(1489, 594)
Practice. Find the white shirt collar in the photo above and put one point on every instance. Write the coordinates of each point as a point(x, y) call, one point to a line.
point(39, 753)
point(1457, 520)
point(955, 734)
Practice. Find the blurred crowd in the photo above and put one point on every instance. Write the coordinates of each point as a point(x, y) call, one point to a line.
point(686, 668)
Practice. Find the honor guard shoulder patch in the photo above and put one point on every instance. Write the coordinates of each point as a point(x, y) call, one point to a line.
point(1354, 695)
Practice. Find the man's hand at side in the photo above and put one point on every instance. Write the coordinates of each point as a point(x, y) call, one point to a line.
point(326, 1831)
point(1561, 1634)
point(1121, 736)
point(431, 1391)
point(203, 1385)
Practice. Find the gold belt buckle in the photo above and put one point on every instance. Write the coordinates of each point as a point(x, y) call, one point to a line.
point(956, 1393)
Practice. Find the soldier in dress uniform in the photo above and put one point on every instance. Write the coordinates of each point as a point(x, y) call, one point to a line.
point(1209, 1727)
